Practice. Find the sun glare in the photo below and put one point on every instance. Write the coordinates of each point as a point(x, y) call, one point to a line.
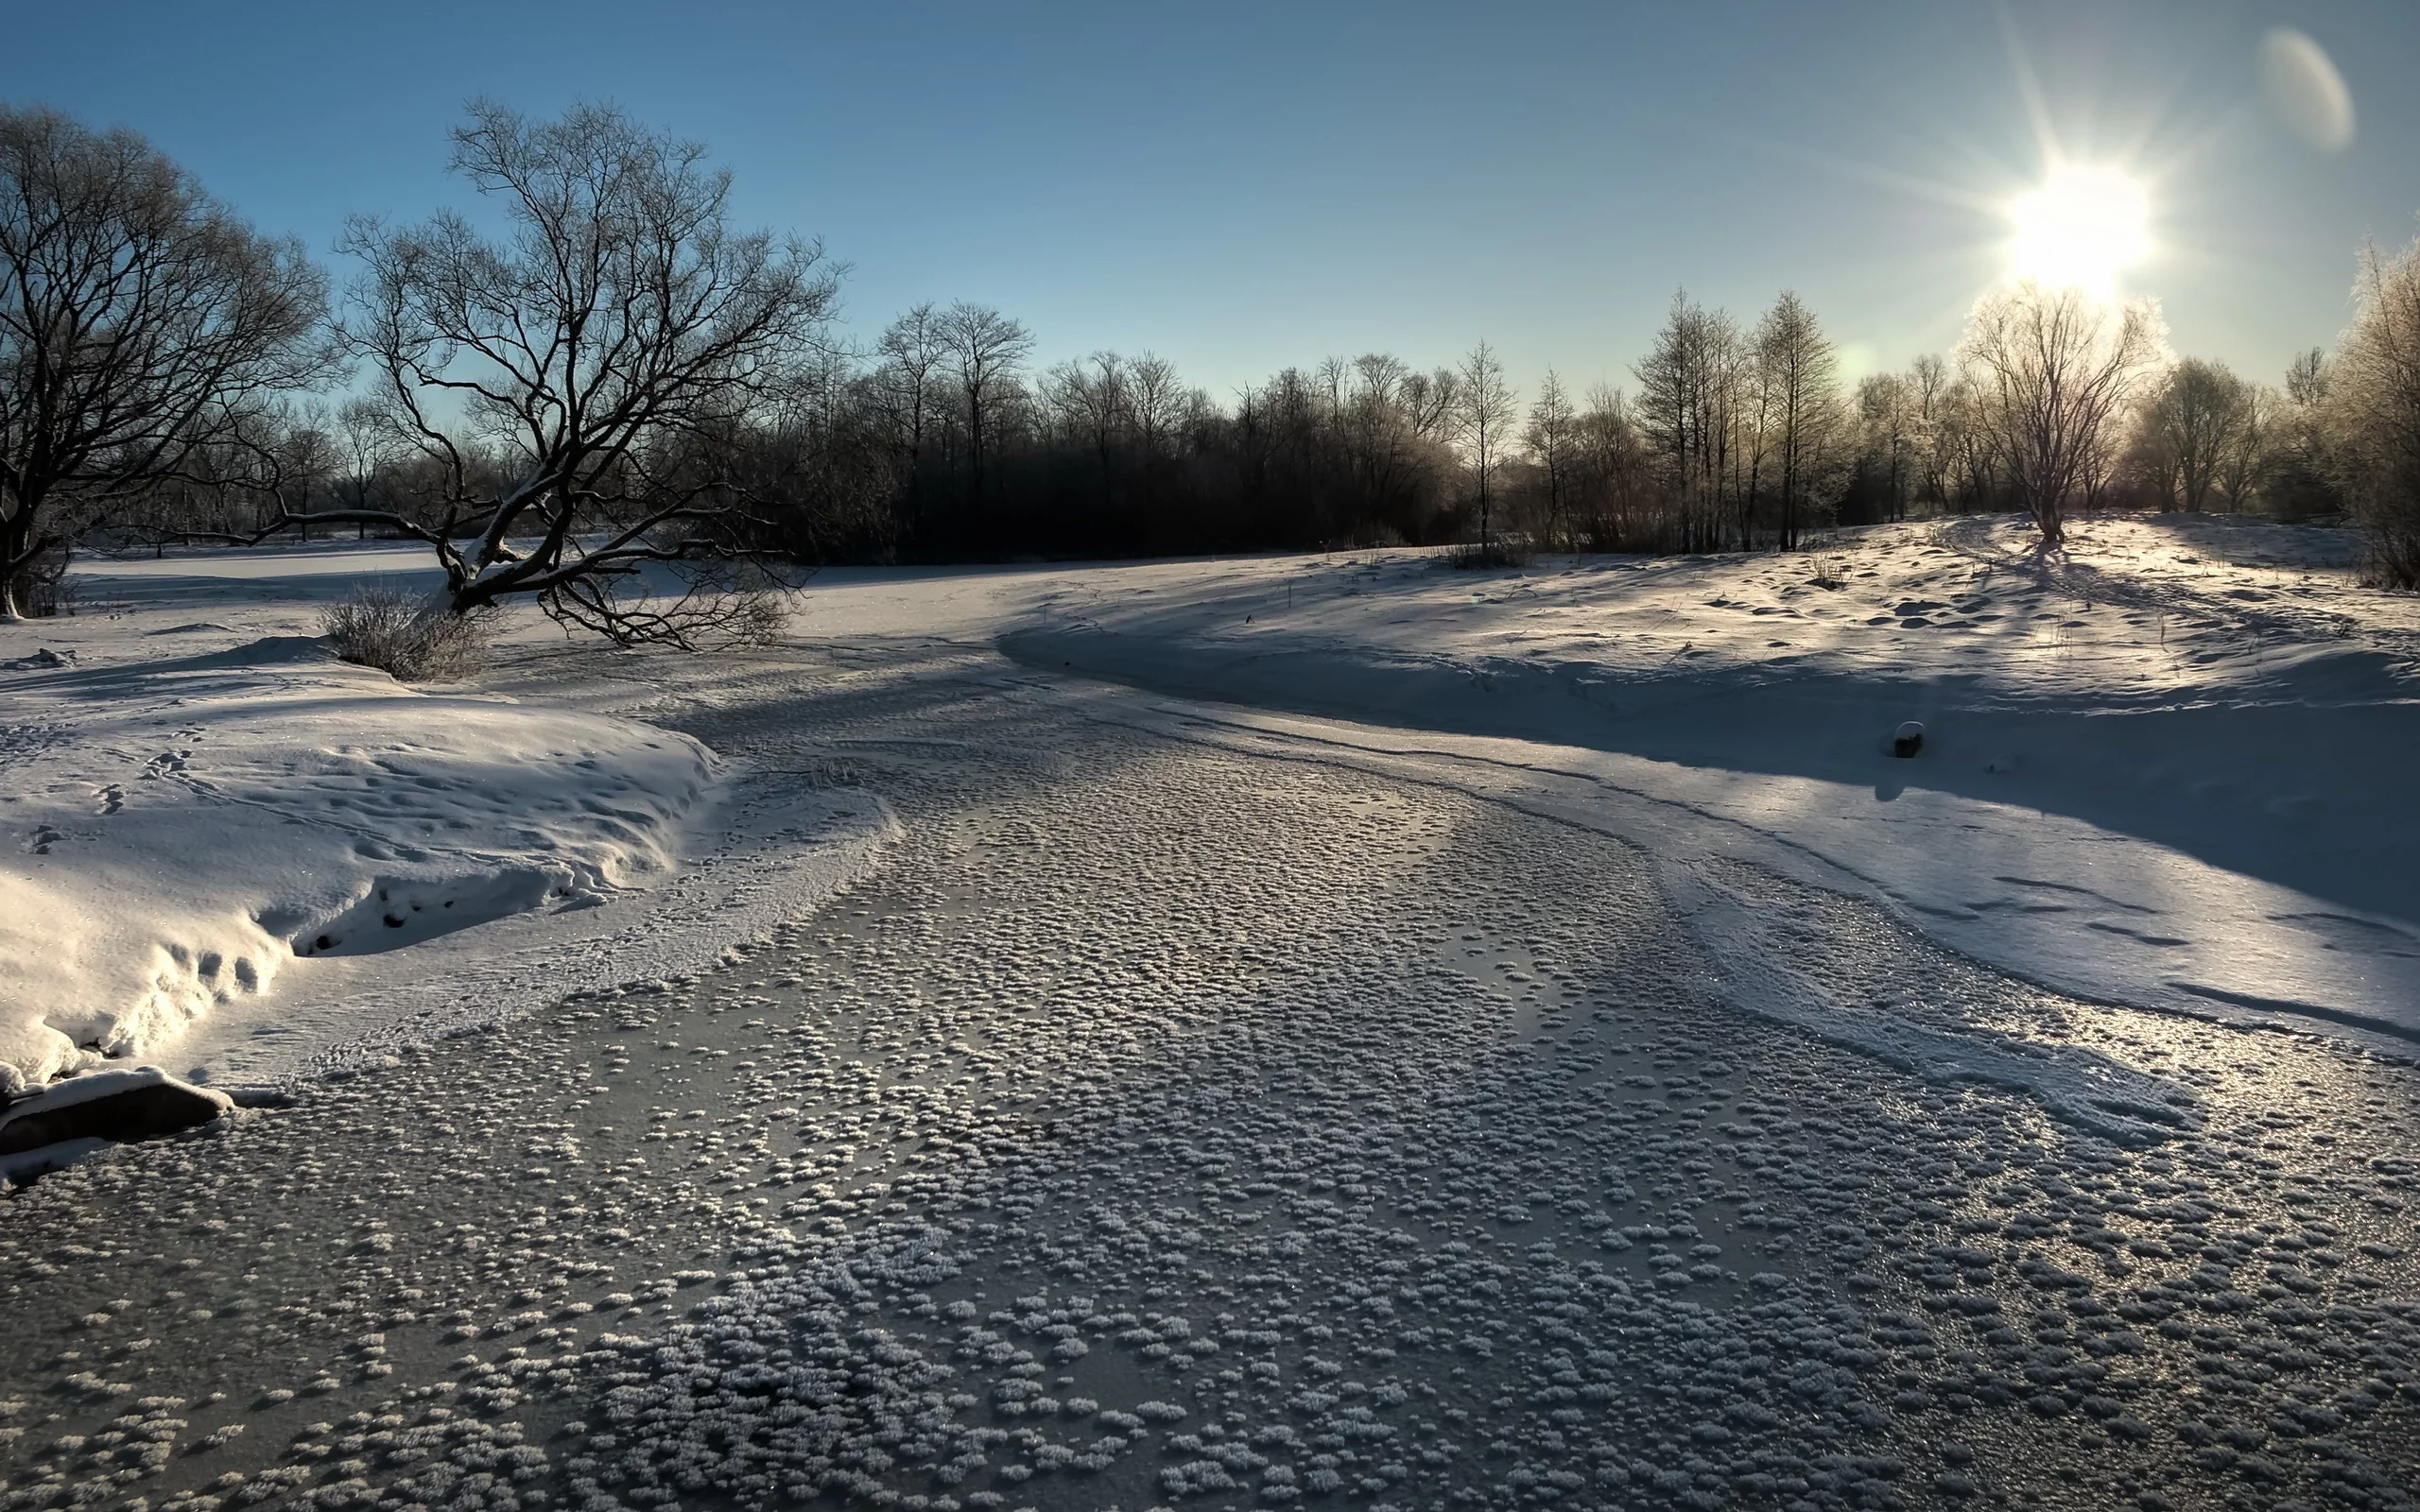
point(2082, 228)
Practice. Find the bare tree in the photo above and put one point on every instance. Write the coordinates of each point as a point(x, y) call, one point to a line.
point(304, 460)
point(2373, 408)
point(367, 450)
point(2197, 423)
point(1485, 412)
point(1803, 375)
point(1552, 437)
point(620, 318)
point(1091, 402)
point(907, 385)
point(1688, 406)
point(140, 323)
point(1430, 402)
point(2053, 370)
point(1159, 401)
point(985, 349)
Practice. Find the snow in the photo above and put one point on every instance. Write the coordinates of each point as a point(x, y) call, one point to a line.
point(236, 850)
point(1232, 1104)
point(2151, 774)
point(2161, 770)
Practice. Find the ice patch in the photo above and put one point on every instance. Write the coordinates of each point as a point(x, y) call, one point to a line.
point(1771, 962)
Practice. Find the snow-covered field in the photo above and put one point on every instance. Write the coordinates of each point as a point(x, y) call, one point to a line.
point(1323, 1030)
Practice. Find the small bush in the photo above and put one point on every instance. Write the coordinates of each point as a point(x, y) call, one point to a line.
point(407, 636)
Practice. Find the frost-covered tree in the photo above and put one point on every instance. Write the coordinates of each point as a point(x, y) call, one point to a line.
point(1929, 385)
point(1687, 408)
point(142, 325)
point(2196, 430)
point(2053, 373)
point(1805, 421)
point(1886, 410)
point(1552, 438)
point(2373, 408)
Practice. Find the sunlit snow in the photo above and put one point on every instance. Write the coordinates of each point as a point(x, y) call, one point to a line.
point(1201, 1107)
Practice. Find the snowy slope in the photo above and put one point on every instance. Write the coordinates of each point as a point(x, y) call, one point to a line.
point(2152, 774)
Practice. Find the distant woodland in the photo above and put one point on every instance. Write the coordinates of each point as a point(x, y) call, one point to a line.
point(599, 361)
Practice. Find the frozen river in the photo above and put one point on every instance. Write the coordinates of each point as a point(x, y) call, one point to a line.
point(1181, 1119)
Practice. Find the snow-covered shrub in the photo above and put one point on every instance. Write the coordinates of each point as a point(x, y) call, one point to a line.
point(409, 637)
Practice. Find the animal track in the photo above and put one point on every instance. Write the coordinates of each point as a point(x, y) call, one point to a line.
point(112, 798)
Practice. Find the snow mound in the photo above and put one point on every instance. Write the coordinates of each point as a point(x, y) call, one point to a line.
point(182, 830)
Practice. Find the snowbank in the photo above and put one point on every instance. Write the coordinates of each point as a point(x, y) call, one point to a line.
point(261, 837)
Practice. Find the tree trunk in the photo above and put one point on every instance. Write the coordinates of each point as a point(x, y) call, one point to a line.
point(2053, 528)
point(17, 553)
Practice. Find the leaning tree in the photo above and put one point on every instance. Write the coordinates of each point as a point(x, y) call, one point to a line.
point(599, 344)
point(142, 327)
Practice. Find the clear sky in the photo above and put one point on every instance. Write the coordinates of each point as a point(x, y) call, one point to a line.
point(1240, 186)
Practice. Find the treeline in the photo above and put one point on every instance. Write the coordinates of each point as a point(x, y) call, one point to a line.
point(460, 395)
point(940, 443)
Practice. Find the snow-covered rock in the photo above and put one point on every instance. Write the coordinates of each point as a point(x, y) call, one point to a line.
point(139, 1103)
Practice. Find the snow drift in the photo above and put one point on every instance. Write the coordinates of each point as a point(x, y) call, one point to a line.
point(188, 832)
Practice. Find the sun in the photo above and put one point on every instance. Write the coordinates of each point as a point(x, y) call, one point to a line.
point(2081, 229)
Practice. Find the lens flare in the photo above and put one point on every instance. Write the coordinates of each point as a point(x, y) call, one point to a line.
point(2306, 89)
point(2082, 228)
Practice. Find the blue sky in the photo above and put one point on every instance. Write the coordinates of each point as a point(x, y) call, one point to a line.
point(1240, 186)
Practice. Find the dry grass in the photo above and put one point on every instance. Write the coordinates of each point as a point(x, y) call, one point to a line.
point(1495, 554)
